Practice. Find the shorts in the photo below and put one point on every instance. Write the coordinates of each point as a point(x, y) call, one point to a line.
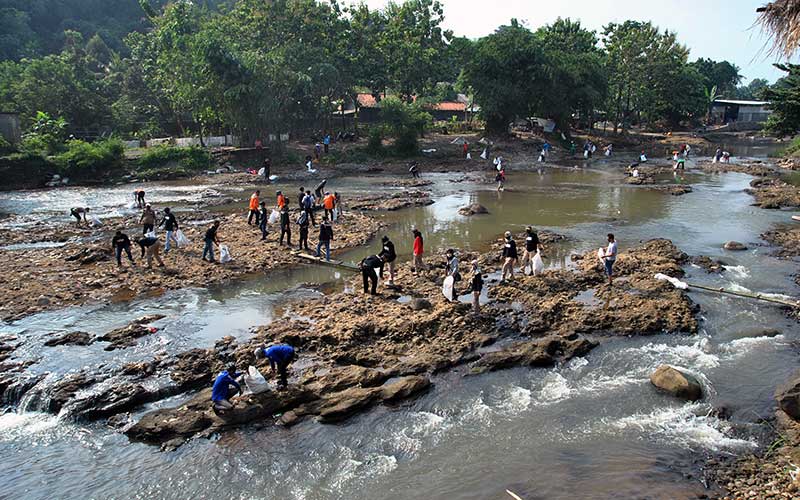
point(609, 264)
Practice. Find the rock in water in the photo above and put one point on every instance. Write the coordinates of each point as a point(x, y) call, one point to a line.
point(677, 383)
point(734, 246)
point(788, 396)
point(473, 209)
point(72, 338)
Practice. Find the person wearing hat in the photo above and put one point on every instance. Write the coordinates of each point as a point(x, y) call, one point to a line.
point(148, 219)
point(389, 256)
point(221, 390)
point(280, 356)
point(510, 255)
point(476, 286)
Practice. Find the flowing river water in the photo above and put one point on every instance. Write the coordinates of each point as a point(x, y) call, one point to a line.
point(592, 428)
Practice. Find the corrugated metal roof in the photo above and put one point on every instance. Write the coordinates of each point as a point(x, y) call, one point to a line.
point(741, 103)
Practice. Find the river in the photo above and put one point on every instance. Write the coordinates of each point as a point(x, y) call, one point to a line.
point(592, 428)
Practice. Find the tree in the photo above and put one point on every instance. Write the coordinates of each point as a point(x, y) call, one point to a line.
point(722, 75)
point(507, 67)
point(753, 91)
point(784, 98)
point(405, 122)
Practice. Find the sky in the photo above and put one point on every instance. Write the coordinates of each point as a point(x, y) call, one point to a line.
point(715, 29)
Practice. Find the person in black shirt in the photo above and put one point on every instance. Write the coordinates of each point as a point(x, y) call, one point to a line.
point(368, 272)
point(389, 256)
point(532, 245)
point(325, 237)
point(303, 222)
point(476, 286)
point(510, 255)
point(150, 248)
point(262, 221)
point(286, 227)
point(210, 240)
point(170, 224)
point(119, 243)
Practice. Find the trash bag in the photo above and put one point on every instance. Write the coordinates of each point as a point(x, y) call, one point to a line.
point(608, 152)
point(601, 253)
point(254, 381)
point(469, 156)
point(261, 172)
point(224, 254)
point(273, 177)
point(151, 234)
point(538, 265)
point(484, 155)
point(586, 154)
point(447, 287)
point(377, 271)
point(274, 217)
point(95, 221)
point(182, 239)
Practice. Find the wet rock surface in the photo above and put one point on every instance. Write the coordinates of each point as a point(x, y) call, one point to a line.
point(391, 202)
point(708, 264)
point(72, 338)
point(734, 246)
point(127, 335)
point(473, 209)
point(677, 383)
point(774, 193)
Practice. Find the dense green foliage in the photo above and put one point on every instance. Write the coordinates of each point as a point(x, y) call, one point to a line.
point(784, 97)
point(191, 158)
point(255, 68)
point(83, 160)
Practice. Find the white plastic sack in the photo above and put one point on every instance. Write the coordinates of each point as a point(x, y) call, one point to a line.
point(261, 172)
point(182, 239)
point(642, 158)
point(95, 221)
point(151, 234)
point(608, 152)
point(377, 271)
point(484, 155)
point(586, 153)
point(447, 287)
point(274, 217)
point(675, 281)
point(469, 156)
point(273, 177)
point(254, 381)
point(601, 253)
point(538, 265)
point(224, 254)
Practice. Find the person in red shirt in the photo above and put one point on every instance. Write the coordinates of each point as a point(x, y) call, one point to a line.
point(419, 249)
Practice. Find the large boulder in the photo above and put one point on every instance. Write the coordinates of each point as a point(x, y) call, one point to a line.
point(473, 209)
point(677, 383)
point(72, 338)
point(788, 396)
point(734, 246)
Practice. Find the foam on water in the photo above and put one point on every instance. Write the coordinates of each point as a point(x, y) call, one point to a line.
point(516, 399)
point(16, 425)
point(684, 427)
point(555, 388)
point(695, 355)
point(739, 272)
point(743, 346)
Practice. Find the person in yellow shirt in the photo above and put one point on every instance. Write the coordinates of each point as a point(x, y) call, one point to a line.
point(254, 208)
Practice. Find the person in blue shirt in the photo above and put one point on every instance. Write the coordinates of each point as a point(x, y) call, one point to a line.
point(221, 393)
point(280, 357)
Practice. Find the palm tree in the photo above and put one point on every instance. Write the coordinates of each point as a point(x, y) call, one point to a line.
point(781, 20)
point(711, 96)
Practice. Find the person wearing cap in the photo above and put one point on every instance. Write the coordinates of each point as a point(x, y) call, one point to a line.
point(148, 219)
point(329, 203)
point(510, 255)
point(476, 286)
point(532, 245)
point(221, 390)
point(389, 256)
point(254, 208)
point(280, 356)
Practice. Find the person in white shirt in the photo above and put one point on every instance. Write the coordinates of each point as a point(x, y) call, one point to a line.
point(609, 257)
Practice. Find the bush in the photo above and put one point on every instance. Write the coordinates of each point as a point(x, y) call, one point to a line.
point(5, 146)
point(189, 159)
point(83, 160)
point(405, 122)
point(375, 141)
point(46, 136)
point(793, 149)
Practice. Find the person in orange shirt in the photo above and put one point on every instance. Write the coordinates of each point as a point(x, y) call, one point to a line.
point(254, 208)
point(329, 202)
point(281, 200)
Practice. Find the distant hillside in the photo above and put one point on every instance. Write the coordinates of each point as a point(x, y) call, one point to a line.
point(31, 28)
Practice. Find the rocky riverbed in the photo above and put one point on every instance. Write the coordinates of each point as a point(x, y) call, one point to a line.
point(85, 269)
